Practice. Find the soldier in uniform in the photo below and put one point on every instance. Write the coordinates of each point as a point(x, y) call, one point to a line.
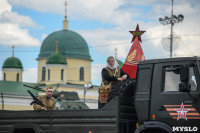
point(111, 74)
point(48, 101)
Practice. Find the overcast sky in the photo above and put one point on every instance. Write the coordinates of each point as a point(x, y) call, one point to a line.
point(105, 25)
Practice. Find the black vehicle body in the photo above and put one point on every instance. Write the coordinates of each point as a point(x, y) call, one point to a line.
point(152, 96)
point(165, 100)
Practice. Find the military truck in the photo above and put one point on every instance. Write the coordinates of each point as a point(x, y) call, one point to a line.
point(165, 100)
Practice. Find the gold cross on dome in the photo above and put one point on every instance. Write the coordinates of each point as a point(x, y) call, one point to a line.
point(65, 9)
point(13, 50)
point(56, 46)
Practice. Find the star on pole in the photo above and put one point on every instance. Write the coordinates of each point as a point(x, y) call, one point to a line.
point(137, 33)
point(182, 112)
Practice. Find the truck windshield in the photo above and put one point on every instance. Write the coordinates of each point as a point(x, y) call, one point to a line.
point(172, 78)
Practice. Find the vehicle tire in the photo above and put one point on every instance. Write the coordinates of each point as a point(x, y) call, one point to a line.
point(154, 130)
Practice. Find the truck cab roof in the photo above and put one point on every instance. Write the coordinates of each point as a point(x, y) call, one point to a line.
point(178, 59)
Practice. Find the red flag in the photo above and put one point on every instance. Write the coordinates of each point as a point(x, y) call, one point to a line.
point(135, 54)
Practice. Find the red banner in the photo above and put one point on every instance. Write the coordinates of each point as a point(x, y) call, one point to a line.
point(135, 54)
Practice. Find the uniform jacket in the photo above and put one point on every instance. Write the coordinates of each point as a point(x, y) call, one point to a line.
point(49, 103)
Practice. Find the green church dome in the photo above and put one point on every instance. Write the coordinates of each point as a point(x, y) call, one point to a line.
point(70, 44)
point(120, 63)
point(56, 58)
point(12, 62)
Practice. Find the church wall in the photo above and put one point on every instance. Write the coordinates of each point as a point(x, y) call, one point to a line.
point(55, 74)
point(73, 71)
point(16, 107)
point(16, 102)
point(11, 74)
point(41, 63)
point(71, 75)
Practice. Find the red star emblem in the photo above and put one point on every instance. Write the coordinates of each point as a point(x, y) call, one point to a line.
point(62, 95)
point(137, 33)
point(104, 96)
point(182, 112)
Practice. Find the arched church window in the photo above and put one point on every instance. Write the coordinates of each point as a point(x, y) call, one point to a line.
point(4, 76)
point(81, 74)
point(48, 74)
point(62, 74)
point(17, 77)
point(43, 73)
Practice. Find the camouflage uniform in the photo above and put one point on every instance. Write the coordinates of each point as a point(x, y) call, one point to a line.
point(49, 103)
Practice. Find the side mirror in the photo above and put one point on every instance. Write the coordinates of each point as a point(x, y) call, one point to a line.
point(184, 73)
point(184, 86)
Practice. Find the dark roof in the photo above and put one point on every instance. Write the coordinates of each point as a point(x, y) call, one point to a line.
point(70, 44)
point(177, 59)
point(17, 88)
point(12, 62)
point(56, 58)
point(120, 63)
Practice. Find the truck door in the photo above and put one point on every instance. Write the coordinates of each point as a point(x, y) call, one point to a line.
point(168, 103)
point(143, 86)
